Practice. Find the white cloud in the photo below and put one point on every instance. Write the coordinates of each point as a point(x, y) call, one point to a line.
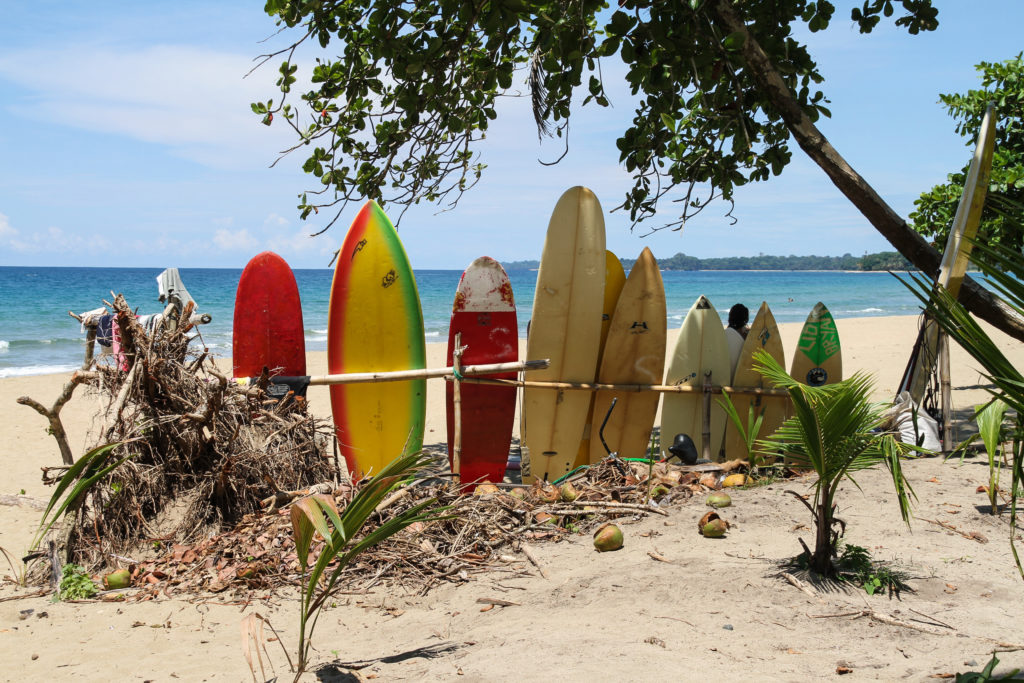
point(237, 240)
point(274, 220)
point(193, 100)
point(51, 240)
point(7, 231)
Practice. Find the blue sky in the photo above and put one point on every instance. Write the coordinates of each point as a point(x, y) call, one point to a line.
point(126, 139)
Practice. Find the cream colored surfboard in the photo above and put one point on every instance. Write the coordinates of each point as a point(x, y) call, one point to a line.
point(614, 280)
point(566, 328)
point(763, 334)
point(633, 354)
point(819, 357)
point(701, 347)
point(956, 255)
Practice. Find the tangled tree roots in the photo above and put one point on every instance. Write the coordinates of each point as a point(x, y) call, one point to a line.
point(201, 451)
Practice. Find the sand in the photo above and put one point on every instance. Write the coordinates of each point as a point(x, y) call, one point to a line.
point(711, 609)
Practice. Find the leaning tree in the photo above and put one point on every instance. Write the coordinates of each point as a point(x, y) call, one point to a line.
point(722, 90)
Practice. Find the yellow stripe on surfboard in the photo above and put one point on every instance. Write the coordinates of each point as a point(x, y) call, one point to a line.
point(614, 280)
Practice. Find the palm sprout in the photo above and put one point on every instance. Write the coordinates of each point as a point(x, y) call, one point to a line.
point(835, 431)
point(1003, 267)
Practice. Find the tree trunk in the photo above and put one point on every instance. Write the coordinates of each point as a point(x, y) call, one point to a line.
point(821, 561)
point(973, 296)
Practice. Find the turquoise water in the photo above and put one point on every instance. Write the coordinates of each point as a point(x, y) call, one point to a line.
point(37, 335)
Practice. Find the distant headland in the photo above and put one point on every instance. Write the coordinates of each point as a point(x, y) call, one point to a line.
point(882, 261)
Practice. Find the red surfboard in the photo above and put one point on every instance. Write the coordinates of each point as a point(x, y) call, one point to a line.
point(485, 314)
point(268, 328)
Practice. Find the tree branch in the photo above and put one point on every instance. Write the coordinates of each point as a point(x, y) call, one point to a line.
point(973, 296)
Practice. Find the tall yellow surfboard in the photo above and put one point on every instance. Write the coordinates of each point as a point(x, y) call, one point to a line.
point(614, 280)
point(956, 255)
point(700, 348)
point(566, 328)
point(634, 353)
point(763, 334)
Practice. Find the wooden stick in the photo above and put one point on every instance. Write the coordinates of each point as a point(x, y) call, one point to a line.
point(705, 431)
point(946, 393)
point(533, 560)
point(618, 506)
point(427, 373)
point(636, 388)
point(457, 407)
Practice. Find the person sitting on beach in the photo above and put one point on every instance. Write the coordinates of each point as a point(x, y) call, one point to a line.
point(735, 333)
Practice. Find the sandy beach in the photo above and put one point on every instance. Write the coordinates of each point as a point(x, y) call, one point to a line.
point(711, 608)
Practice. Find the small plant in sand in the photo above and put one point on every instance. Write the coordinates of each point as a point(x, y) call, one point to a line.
point(318, 515)
point(75, 584)
point(992, 433)
point(17, 574)
point(748, 432)
point(835, 431)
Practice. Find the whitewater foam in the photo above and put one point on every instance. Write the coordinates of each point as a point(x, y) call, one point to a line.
point(35, 370)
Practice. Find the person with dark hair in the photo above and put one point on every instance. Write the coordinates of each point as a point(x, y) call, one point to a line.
point(735, 333)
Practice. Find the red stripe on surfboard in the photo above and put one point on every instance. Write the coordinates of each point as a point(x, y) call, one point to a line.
point(268, 329)
point(488, 412)
point(354, 241)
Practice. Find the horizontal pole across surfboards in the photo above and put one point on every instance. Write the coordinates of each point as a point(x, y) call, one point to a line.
point(398, 375)
point(635, 388)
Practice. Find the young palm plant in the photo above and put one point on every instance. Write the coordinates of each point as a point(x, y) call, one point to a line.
point(1003, 267)
point(991, 432)
point(835, 431)
point(318, 515)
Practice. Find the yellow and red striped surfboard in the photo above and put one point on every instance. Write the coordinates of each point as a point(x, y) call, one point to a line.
point(374, 324)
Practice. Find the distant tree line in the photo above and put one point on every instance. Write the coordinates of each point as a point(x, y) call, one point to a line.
point(885, 260)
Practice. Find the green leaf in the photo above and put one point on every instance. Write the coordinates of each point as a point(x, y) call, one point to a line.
point(82, 475)
point(735, 41)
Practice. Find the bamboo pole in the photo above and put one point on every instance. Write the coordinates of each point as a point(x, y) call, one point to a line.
point(457, 407)
point(706, 418)
point(946, 393)
point(426, 373)
point(593, 386)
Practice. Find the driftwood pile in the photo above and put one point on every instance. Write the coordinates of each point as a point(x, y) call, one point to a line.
point(200, 452)
point(200, 502)
point(479, 533)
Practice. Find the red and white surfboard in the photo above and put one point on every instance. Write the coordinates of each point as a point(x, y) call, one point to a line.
point(485, 314)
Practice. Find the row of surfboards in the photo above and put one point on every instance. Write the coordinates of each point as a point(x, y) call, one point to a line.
point(588, 318)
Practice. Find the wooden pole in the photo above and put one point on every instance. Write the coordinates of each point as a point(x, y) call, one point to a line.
point(457, 407)
point(706, 417)
point(637, 388)
point(426, 373)
point(946, 393)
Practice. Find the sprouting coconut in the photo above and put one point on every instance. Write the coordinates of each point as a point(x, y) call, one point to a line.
point(719, 500)
point(485, 489)
point(121, 578)
point(548, 494)
point(716, 528)
point(659, 491)
point(517, 492)
point(711, 525)
point(607, 537)
point(568, 492)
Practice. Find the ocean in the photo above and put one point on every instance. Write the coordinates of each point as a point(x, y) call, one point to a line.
point(37, 336)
